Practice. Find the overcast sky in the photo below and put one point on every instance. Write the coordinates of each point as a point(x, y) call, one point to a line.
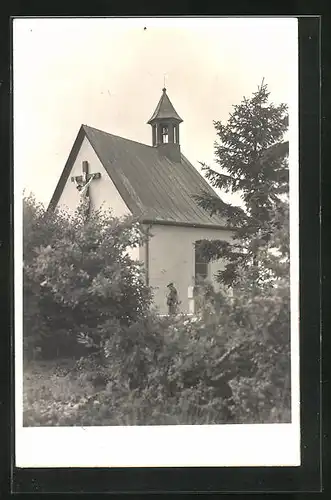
point(109, 74)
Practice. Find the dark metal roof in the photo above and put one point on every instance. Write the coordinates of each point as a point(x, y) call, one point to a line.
point(164, 110)
point(153, 187)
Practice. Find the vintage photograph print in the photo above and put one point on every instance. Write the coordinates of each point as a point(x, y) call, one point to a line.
point(156, 242)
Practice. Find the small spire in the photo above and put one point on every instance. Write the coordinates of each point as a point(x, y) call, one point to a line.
point(165, 110)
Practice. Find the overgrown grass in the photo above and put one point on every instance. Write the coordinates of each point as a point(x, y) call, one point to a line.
point(52, 394)
point(57, 394)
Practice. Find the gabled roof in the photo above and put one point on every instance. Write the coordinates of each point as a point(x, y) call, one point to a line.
point(153, 187)
point(164, 109)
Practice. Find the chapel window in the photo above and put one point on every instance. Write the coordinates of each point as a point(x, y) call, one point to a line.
point(201, 264)
point(165, 135)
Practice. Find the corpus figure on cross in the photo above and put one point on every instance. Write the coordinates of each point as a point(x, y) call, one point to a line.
point(82, 183)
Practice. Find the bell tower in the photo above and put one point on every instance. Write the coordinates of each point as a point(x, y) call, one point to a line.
point(165, 128)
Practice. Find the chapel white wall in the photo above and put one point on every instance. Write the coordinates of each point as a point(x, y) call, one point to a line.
point(172, 259)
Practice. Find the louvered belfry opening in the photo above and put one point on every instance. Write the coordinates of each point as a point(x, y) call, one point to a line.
point(165, 128)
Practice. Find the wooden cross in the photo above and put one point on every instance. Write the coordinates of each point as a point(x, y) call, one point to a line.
point(83, 181)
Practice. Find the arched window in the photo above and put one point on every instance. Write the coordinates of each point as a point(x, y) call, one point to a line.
point(165, 135)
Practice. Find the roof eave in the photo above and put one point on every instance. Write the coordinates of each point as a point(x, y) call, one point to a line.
point(187, 224)
point(154, 119)
point(66, 170)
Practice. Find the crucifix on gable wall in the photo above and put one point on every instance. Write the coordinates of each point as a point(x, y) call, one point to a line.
point(82, 184)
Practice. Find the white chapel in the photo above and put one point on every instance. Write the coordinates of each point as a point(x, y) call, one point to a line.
point(155, 183)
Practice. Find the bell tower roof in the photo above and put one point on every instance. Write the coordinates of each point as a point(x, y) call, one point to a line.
point(164, 110)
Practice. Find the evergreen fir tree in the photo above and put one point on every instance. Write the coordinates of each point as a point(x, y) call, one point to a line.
point(252, 156)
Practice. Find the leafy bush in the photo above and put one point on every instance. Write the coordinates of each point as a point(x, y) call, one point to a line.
point(167, 371)
point(229, 365)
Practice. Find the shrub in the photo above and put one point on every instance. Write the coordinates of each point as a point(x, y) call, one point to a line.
point(78, 277)
point(230, 366)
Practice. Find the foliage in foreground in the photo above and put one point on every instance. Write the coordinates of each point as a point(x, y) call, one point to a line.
point(228, 367)
point(78, 277)
point(85, 297)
